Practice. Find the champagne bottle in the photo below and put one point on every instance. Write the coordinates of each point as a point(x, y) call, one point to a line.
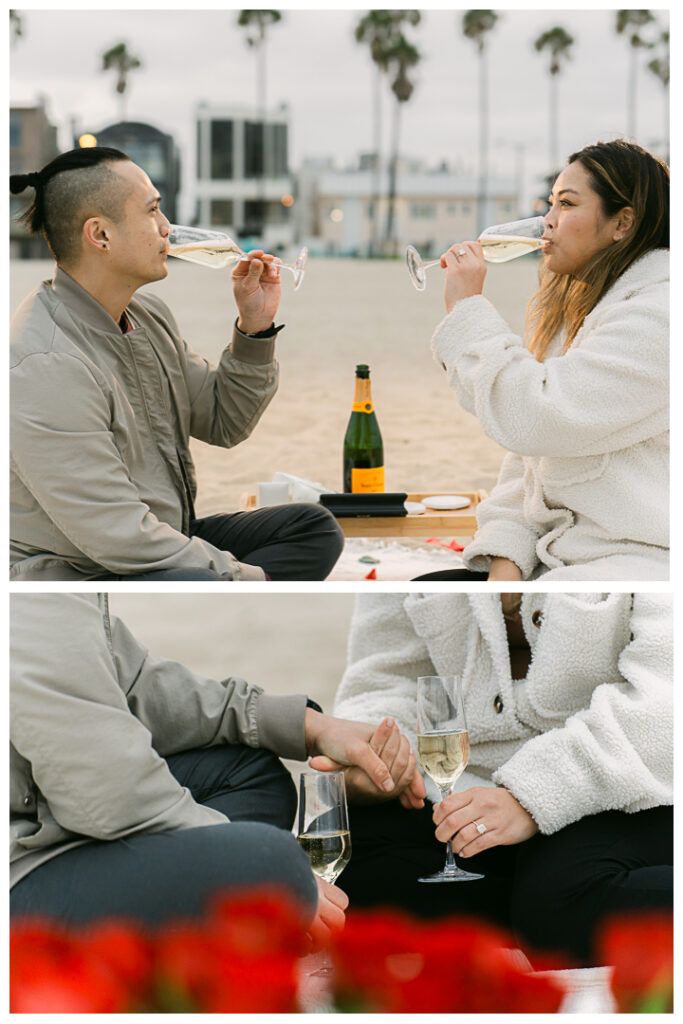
point(363, 449)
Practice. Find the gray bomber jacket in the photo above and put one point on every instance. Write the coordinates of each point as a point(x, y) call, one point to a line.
point(92, 717)
point(101, 476)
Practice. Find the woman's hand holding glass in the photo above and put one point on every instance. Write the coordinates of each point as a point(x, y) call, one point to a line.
point(506, 821)
point(465, 272)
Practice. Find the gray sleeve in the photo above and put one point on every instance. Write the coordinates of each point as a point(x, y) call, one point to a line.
point(65, 454)
point(183, 710)
point(93, 761)
point(228, 400)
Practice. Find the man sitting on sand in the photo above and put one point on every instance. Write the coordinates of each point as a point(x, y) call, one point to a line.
point(105, 395)
point(139, 789)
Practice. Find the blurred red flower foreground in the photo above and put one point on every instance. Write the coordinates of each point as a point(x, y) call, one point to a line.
point(243, 958)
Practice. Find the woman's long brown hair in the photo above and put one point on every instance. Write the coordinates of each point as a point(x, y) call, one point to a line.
point(623, 174)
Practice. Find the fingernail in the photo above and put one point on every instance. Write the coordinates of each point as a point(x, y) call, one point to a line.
point(390, 722)
point(388, 785)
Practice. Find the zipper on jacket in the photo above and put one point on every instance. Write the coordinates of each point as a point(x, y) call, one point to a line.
point(107, 623)
point(180, 476)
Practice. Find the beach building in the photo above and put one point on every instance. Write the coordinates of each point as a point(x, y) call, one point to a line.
point(150, 148)
point(344, 212)
point(243, 182)
point(32, 144)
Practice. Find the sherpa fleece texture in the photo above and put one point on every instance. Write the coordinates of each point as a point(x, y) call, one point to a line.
point(584, 492)
point(590, 729)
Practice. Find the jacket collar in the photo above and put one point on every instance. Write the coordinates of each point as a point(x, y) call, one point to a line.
point(651, 268)
point(82, 303)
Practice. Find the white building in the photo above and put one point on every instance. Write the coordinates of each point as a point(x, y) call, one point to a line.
point(243, 183)
point(340, 212)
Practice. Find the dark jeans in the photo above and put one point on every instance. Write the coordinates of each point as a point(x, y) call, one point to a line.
point(551, 891)
point(159, 876)
point(289, 542)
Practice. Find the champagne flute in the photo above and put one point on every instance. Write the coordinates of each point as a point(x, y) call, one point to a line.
point(216, 249)
point(324, 828)
point(443, 749)
point(500, 242)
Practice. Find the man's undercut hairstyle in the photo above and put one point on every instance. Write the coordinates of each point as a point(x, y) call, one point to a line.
point(69, 190)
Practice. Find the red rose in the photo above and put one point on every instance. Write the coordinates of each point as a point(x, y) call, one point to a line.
point(388, 963)
point(640, 947)
point(52, 972)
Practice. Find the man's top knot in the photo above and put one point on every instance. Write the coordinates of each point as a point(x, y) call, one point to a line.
point(19, 182)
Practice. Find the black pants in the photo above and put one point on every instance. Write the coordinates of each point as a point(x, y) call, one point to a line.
point(551, 891)
point(289, 542)
point(464, 575)
point(159, 876)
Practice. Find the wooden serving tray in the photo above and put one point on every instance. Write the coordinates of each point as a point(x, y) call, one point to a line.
point(461, 522)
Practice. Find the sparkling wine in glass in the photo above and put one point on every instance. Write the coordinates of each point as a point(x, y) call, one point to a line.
point(443, 750)
point(324, 828)
point(324, 822)
point(216, 249)
point(501, 242)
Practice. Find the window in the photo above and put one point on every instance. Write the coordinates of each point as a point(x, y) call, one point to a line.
point(15, 128)
point(253, 149)
point(221, 150)
point(221, 212)
point(422, 211)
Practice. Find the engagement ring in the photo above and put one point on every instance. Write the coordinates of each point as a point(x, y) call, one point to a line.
point(480, 827)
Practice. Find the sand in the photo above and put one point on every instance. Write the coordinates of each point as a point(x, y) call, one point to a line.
point(347, 311)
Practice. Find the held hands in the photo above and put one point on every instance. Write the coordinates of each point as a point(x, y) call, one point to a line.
point(378, 762)
point(329, 916)
point(465, 272)
point(506, 821)
point(256, 286)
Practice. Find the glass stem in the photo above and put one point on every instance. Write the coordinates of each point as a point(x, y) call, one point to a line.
point(431, 263)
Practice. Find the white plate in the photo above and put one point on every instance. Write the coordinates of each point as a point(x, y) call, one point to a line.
point(443, 502)
point(414, 508)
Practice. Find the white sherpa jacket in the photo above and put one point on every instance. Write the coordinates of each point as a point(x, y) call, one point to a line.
point(584, 492)
point(588, 730)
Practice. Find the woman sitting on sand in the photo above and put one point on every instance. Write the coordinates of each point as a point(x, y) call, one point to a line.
point(582, 405)
point(565, 806)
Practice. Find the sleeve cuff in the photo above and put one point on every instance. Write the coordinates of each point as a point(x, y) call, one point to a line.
point(502, 540)
point(280, 724)
point(253, 350)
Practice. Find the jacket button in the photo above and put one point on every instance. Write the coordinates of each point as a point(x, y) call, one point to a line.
point(27, 801)
point(498, 704)
point(537, 618)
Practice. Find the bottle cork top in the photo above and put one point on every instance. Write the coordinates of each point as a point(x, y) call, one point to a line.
point(363, 370)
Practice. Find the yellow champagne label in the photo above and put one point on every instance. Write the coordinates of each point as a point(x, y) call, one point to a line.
point(363, 407)
point(365, 480)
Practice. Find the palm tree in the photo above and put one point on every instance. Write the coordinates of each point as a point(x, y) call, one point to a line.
point(256, 24)
point(16, 26)
point(379, 30)
point(630, 22)
point(475, 25)
point(660, 67)
point(122, 60)
point(557, 40)
point(400, 56)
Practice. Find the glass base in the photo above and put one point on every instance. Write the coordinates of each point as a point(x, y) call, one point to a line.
point(452, 876)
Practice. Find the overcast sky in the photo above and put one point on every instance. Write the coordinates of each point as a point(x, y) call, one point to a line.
point(326, 78)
